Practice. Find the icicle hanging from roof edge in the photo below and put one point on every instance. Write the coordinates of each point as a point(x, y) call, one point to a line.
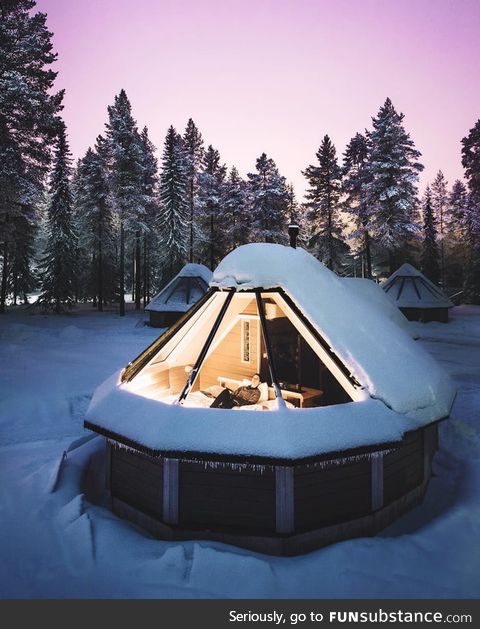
point(223, 465)
point(357, 458)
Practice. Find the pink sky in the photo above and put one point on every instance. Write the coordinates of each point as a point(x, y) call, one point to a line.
point(273, 75)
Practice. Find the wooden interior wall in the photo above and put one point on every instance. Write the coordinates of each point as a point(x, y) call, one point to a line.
point(226, 360)
point(178, 379)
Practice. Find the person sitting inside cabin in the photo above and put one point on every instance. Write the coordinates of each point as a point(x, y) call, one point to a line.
point(244, 395)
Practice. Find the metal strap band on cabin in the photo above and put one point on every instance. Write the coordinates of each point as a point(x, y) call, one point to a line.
point(196, 368)
point(316, 334)
point(170, 491)
point(377, 480)
point(108, 464)
point(284, 500)
point(430, 444)
point(268, 347)
point(136, 365)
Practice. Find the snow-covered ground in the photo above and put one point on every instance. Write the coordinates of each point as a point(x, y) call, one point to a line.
point(53, 543)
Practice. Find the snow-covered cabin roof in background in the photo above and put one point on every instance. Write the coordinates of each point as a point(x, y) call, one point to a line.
point(184, 290)
point(409, 288)
point(378, 353)
point(373, 293)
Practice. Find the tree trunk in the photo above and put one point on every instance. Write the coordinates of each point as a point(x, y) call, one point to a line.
point(368, 255)
point(3, 291)
point(100, 269)
point(138, 272)
point(391, 261)
point(330, 240)
point(15, 288)
point(190, 258)
point(132, 276)
point(211, 242)
point(146, 270)
point(122, 270)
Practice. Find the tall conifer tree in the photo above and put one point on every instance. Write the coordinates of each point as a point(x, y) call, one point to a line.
point(440, 195)
point(356, 177)
point(236, 218)
point(269, 201)
point(173, 211)
point(59, 262)
point(430, 265)
point(212, 220)
point(193, 155)
point(126, 176)
point(323, 198)
point(392, 191)
point(150, 199)
point(28, 118)
point(96, 225)
point(471, 164)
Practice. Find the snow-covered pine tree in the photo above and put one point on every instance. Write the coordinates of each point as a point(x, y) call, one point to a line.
point(236, 217)
point(471, 158)
point(356, 177)
point(456, 210)
point(28, 110)
point(150, 199)
point(96, 225)
point(211, 210)
point(126, 177)
point(430, 259)
point(23, 276)
point(172, 221)
point(268, 201)
point(323, 205)
point(58, 269)
point(455, 235)
point(471, 164)
point(392, 191)
point(471, 284)
point(439, 193)
point(193, 156)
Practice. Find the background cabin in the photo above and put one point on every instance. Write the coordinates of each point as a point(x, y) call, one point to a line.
point(179, 295)
point(416, 296)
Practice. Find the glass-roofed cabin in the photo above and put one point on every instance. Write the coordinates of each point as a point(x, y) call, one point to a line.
point(342, 434)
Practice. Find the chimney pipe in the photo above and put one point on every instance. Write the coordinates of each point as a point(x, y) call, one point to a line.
point(293, 233)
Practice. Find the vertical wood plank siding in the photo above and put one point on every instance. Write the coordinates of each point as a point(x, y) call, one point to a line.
point(403, 469)
point(227, 496)
point(327, 494)
point(269, 500)
point(137, 480)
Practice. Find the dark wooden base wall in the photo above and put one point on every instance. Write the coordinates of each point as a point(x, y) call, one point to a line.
point(163, 319)
point(276, 509)
point(425, 315)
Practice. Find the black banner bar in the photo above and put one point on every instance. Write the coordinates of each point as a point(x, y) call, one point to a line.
point(239, 614)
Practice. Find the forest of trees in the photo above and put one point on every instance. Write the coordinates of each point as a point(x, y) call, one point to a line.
point(120, 221)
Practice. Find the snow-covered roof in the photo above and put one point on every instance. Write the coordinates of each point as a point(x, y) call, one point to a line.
point(402, 386)
point(184, 290)
point(380, 355)
point(373, 293)
point(407, 287)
